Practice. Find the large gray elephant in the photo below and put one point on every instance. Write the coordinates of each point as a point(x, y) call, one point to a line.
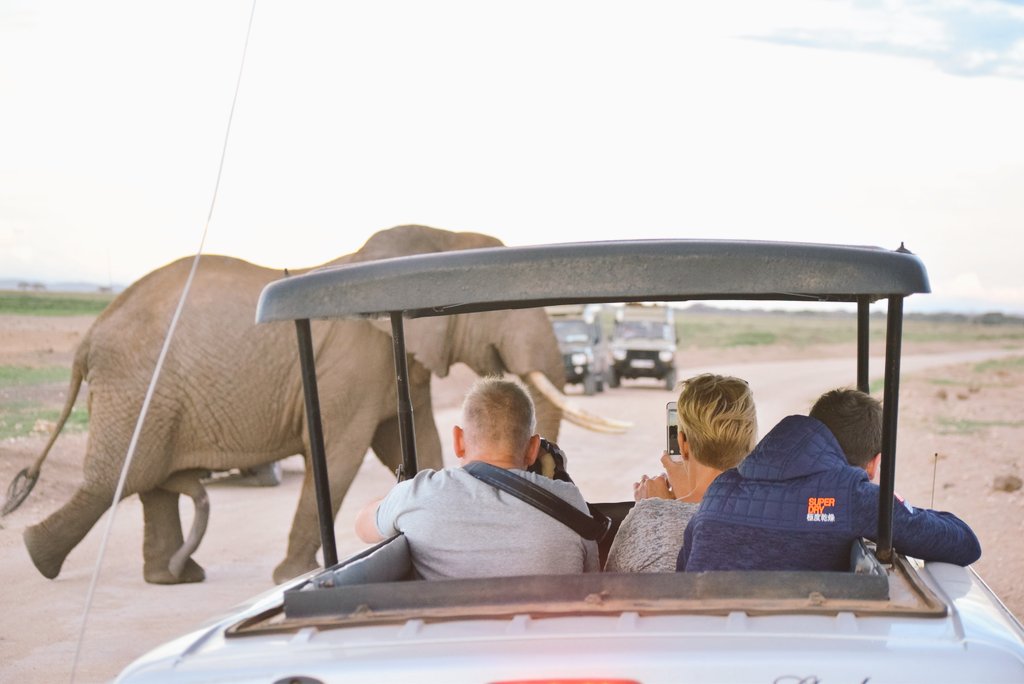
point(230, 396)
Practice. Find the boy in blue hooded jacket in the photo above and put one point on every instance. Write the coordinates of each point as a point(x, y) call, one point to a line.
point(805, 493)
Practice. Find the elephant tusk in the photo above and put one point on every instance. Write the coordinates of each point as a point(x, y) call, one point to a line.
point(573, 413)
point(187, 482)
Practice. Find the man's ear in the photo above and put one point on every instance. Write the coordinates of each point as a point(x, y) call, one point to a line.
point(459, 441)
point(872, 466)
point(532, 451)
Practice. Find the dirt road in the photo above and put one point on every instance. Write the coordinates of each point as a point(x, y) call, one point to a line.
point(41, 619)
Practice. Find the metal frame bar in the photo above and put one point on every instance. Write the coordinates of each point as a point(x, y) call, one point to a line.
point(318, 457)
point(890, 415)
point(863, 343)
point(406, 426)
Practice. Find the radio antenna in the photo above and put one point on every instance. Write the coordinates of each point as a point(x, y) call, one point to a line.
point(160, 359)
point(935, 470)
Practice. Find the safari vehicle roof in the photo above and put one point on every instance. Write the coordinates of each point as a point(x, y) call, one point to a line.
point(621, 271)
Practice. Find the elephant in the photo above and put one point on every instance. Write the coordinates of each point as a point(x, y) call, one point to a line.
point(230, 396)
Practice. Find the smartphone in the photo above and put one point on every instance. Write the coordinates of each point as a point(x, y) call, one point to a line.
point(672, 432)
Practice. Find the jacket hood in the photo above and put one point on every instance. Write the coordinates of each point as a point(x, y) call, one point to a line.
point(795, 448)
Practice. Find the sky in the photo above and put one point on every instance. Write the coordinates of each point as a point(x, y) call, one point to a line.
point(863, 122)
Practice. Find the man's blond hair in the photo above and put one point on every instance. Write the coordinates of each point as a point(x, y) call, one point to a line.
point(499, 413)
point(718, 417)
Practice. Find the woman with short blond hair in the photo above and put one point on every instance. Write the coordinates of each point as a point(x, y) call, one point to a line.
point(717, 428)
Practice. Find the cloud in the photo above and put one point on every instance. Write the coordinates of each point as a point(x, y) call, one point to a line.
point(970, 291)
point(966, 39)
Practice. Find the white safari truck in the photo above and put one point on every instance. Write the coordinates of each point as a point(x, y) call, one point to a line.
point(367, 618)
point(644, 344)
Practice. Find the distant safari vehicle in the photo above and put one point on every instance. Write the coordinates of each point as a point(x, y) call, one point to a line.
point(644, 344)
point(582, 343)
point(369, 619)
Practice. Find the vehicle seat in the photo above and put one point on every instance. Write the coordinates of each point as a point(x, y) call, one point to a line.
point(615, 510)
point(388, 561)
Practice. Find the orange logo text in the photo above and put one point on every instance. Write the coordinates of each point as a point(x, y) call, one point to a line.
point(816, 506)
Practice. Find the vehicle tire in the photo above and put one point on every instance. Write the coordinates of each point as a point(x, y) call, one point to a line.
point(589, 385)
point(670, 380)
point(613, 379)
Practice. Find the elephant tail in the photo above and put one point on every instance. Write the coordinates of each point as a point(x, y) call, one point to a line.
point(188, 482)
point(78, 371)
point(25, 480)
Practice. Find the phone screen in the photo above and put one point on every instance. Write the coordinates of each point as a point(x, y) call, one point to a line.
point(672, 430)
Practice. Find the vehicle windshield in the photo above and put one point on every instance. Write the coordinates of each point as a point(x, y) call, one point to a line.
point(648, 330)
point(572, 331)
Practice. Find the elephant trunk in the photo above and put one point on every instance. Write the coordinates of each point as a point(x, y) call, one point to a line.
point(187, 482)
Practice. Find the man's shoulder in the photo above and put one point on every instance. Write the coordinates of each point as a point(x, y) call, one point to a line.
point(429, 480)
point(565, 490)
point(545, 481)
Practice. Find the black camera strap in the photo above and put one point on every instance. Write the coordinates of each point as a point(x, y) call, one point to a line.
point(582, 524)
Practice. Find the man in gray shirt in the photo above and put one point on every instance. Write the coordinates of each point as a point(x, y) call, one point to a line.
point(459, 526)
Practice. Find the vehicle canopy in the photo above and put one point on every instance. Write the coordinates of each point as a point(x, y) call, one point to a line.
point(622, 271)
point(446, 283)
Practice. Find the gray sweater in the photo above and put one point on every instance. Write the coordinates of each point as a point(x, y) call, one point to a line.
point(650, 536)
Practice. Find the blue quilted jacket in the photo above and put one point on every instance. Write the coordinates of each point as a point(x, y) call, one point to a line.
point(795, 504)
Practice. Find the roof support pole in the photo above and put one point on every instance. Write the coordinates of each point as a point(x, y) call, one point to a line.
point(890, 414)
point(406, 429)
point(317, 457)
point(863, 343)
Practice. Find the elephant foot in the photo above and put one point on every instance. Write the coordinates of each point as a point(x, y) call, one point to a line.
point(289, 568)
point(44, 557)
point(192, 572)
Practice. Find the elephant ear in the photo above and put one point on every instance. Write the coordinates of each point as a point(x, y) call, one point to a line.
point(427, 340)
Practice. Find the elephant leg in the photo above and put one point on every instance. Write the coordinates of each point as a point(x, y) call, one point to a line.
point(304, 538)
point(50, 541)
point(387, 444)
point(428, 441)
point(167, 557)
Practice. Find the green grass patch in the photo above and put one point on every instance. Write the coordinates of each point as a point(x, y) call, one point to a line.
point(753, 338)
point(1010, 363)
point(703, 329)
point(706, 330)
point(876, 386)
point(940, 331)
point(53, 303)
point(961, 426)
point(18, 418)
point(20, 376)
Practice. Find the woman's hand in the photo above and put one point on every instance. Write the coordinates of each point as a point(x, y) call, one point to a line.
point(679, 476)
point(652, 488)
